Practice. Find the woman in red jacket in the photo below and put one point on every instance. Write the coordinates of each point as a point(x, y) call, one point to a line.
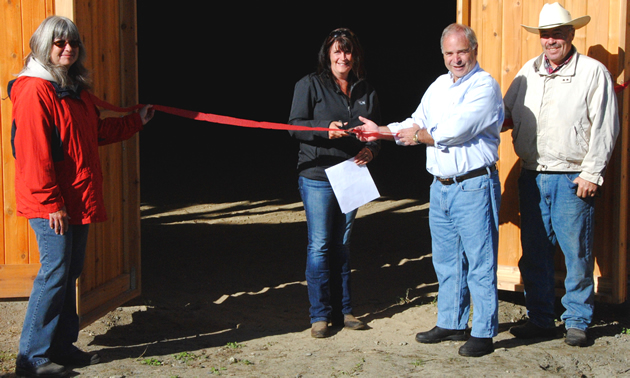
point(58, 183)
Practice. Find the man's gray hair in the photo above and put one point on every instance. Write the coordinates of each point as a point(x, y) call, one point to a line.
point(459, 28)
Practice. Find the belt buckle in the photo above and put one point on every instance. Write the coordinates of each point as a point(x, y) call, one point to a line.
point(446, 181)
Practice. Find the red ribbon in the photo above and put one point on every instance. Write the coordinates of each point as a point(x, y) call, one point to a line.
point(198, 116)
point(255, 124)
point(621, 87)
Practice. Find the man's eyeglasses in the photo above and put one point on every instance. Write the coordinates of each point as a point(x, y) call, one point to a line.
point(61, 43)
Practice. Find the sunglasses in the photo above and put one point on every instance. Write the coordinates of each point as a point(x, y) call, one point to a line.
point(61, 43)
point(339, 33)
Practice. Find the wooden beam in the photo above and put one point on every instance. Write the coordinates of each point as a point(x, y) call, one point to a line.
point(65, 8)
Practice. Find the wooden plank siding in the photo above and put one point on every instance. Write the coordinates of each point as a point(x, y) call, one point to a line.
point(111, 274)
point(20, 254)
point(112, 271)
point(504, 46)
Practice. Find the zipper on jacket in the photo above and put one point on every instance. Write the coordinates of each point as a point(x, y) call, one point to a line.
point(349, 100)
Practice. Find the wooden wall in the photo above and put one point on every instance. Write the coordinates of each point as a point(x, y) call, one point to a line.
point(504, 46)
point(112, 270)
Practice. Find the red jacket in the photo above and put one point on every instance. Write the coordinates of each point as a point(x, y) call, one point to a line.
point(55, 136)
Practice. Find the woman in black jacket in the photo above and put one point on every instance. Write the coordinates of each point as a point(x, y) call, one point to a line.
point(334, 97)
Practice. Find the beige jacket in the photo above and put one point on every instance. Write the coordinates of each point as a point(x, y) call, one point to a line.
point(566, 121)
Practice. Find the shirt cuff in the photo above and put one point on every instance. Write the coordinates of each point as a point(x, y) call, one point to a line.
point(595, 179)
point(394, 128)
point(435, 142)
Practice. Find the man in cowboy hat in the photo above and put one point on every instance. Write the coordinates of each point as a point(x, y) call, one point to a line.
point(564, 111)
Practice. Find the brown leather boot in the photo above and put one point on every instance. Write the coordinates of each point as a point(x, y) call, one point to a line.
point(350, 322)
point(319, 330)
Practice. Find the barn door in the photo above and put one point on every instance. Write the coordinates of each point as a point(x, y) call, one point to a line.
point(111, 275)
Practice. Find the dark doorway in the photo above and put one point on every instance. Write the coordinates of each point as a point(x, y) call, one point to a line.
point(243, 61)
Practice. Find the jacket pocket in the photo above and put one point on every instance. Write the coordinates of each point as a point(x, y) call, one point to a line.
point(575, 147)
point(581, 137)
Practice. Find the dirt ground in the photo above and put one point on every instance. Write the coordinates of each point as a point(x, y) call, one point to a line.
point(223, 293)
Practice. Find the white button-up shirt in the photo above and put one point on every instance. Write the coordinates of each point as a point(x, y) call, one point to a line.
point(464, 118)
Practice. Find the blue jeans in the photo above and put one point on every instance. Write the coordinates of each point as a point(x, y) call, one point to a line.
point(552, 213)
point(328, 250)
point(464, 222)
point(51, 324)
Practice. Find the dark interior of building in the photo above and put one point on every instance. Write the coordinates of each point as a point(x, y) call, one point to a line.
point(243, 62)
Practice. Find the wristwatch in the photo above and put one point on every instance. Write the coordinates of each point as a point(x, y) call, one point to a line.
point(415, 137)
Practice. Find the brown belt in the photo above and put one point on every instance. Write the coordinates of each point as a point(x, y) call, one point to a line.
point(475, 173)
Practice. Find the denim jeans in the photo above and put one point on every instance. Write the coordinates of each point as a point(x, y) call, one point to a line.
point(51, 324)
point(328, 251)
point(464, 222)
point(552, 213)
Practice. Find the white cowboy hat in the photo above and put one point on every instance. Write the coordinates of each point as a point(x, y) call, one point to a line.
point(553, 16)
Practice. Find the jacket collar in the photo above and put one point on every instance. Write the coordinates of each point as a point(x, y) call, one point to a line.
point(35, 69)
point(329, 81)
point(567, 70)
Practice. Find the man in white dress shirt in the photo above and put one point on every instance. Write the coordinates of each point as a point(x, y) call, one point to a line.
point(459, 119)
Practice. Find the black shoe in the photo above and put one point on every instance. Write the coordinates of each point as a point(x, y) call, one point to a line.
point(576, 337)
point(477, 347)
point(77, 358)
point(438, 334)
point(530, 330)
point(48, 370)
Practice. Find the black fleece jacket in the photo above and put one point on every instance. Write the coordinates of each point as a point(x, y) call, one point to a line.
point(318, 101)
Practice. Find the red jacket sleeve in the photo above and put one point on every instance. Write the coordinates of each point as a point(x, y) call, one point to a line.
point(115, 129)
point(33, 114)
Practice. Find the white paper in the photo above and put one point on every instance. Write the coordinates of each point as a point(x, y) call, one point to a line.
point(352, 184)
